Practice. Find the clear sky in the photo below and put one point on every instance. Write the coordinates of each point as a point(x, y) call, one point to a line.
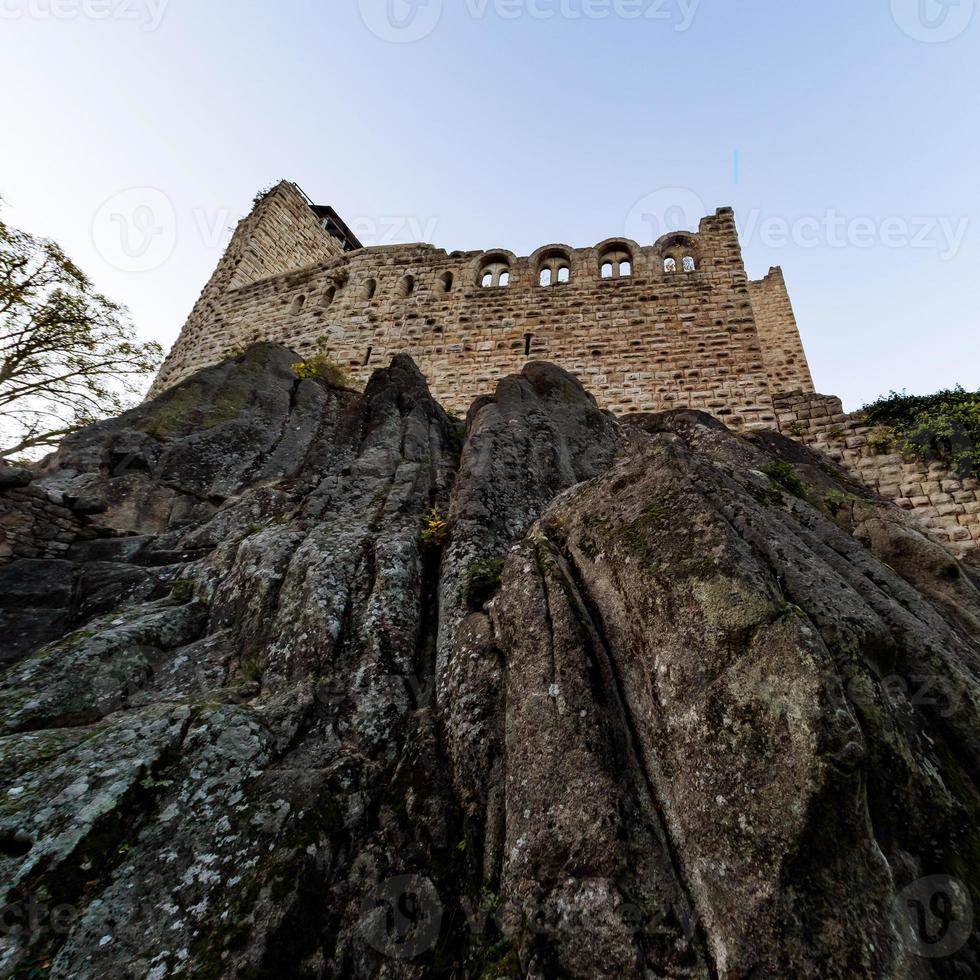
point(845, 135)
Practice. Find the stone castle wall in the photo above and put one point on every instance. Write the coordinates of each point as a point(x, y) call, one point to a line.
point(782, 347)
point(948, 506)
point(672, 325)
point(280, 234)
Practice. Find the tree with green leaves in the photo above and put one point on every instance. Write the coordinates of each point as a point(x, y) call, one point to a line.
point(68, 355)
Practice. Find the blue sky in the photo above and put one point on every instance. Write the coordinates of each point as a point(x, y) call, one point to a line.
point(516, 123)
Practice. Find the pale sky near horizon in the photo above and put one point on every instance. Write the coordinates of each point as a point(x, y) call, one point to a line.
point(844, 135)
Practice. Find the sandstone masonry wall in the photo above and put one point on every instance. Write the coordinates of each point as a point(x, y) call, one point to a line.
point(32, 525)
point(282, 233)
point(948, 506)
point(645, 328)
point(782, 347)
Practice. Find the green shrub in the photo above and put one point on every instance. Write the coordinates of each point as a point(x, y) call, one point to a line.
point(784, 475)
point(321, 367)
point(482, 582)
point(943, 427)
point(881, 439)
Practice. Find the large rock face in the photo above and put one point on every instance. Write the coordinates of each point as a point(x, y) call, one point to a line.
point(309, 683)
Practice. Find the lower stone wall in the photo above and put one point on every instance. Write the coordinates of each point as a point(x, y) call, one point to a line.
point(948, 506)
point(33, 526)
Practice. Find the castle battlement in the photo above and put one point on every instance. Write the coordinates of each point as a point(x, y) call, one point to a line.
point(676, 324)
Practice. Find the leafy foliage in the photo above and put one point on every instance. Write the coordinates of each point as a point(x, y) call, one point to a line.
point(942, 427)
point(435, 529)
point(320, 366)
point(68, 355)
point(784, 475)
point(482, 581)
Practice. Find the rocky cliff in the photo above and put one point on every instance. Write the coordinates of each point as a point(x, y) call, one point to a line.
point(305, 682)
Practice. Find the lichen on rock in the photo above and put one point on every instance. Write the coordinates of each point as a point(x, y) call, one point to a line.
point(658, 700)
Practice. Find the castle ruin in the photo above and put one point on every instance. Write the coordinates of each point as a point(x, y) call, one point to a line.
point(674, 325)
point(677, 324)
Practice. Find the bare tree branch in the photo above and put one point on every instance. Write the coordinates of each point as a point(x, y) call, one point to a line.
point(68, 355)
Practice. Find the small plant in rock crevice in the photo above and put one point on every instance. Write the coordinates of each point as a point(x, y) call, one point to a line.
point(784, 475)
point(321, 367)
point(435, 529)
point(481, 582)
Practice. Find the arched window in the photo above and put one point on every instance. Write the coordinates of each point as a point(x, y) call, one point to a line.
point(445, 282)
point(616, 263)
point(298, 305)
point(495, 271)
point(681, 252)
point(368, 288)
point(329, 295)
point(555, 268)
point(406, 286)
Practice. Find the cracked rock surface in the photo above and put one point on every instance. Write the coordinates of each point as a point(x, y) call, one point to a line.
point(657, 700)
